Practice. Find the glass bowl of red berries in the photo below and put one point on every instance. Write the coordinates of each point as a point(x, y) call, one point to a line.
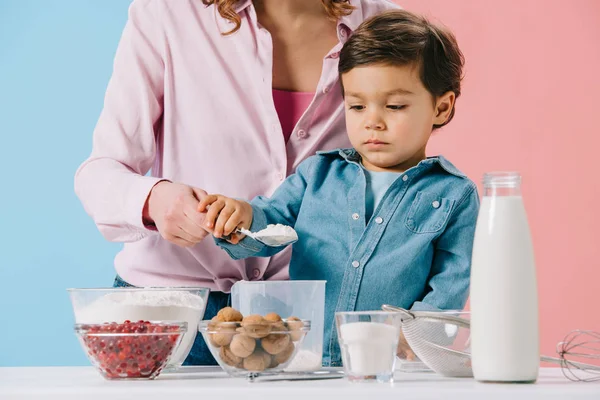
point(130, 350)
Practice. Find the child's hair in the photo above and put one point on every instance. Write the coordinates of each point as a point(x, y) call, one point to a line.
point(403, 38)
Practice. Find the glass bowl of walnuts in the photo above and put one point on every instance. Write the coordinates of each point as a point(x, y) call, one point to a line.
point(253, 345)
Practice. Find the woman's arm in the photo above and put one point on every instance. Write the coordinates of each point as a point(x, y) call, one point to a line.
point(111, 183)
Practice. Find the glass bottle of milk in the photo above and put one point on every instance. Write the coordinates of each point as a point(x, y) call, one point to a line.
point(504, 302)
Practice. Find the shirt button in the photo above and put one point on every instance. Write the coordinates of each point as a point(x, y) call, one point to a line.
point(280, 176)
point(342, 33)
point(326, 89)
point(335, 55)
point(301, 133)
point(379, 220)
point(436, 204)
point(355, 264)
point(355, 216)
point(256, 273)
point(405, 178)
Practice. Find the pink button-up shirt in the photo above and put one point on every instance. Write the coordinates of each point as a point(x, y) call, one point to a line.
point(196, 107)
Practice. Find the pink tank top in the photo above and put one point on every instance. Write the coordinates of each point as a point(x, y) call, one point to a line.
point(290, 106)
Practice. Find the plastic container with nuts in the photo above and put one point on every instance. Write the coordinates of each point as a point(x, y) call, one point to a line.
point(253, 345)
point(304, 299)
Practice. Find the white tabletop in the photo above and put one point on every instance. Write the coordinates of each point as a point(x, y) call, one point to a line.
point(199, 382)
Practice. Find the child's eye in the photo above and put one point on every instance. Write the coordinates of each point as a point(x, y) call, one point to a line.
point(357, 108)
point(395, 107)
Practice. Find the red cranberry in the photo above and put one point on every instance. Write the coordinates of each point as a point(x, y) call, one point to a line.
point(134, 356)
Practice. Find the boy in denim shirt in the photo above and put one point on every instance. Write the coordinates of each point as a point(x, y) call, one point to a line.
point(380, 222)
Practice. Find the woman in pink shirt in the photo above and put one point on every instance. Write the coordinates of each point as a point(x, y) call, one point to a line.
point(220, 96)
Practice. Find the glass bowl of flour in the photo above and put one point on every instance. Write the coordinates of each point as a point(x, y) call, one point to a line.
point(107, 305)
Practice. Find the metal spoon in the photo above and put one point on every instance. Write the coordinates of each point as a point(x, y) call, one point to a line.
point(268, 239)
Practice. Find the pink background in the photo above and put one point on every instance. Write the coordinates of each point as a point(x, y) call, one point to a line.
point(530, 103)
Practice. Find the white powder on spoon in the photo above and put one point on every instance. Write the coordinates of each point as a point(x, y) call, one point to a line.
point(274, 235)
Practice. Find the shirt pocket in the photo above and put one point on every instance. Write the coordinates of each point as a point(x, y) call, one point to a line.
point(428, 213)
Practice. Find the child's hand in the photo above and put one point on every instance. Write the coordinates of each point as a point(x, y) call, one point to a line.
point(404, 351)
point(225, 215)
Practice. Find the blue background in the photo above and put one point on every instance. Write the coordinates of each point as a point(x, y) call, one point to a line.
point(55, 61)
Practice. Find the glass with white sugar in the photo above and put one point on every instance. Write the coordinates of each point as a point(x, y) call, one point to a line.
point(368, 341)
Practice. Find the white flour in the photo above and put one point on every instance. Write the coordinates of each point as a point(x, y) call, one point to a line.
point(277, 235)
point(305, 360)
point(148, 306)
point(370, 347)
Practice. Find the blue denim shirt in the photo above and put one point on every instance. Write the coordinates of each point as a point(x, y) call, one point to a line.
point(414, 252)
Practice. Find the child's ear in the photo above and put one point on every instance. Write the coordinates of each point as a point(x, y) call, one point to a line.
point(443, 108)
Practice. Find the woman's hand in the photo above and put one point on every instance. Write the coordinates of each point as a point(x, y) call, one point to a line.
point(225, 215)
point(173, 208)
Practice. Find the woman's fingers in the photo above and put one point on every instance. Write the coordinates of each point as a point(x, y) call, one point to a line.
point(180, 238)
point(188, 230)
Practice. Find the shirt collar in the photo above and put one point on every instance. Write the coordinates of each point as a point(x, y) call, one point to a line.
point(351, 155)
point(353, 20)
point(345, 26)
point(444, 163)
point(224, 24)
point(241, 5)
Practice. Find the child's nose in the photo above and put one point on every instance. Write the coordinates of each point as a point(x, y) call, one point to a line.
point(374, 123)
point(374, 120)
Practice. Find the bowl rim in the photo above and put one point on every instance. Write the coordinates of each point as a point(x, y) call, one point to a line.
point(284, 282)
point(374, 312)
point(135, 288)
point(204, 326)
point(84, 329)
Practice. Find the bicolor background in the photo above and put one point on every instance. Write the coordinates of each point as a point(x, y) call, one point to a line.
point(529, 103)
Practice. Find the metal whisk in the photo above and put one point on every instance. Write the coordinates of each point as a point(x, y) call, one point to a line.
point(580, 344)
point(431, 335)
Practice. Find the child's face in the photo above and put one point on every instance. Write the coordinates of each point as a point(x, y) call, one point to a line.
point(390, 115)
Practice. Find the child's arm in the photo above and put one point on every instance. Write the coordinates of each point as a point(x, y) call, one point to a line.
point(281, 208)
point(451, 269)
